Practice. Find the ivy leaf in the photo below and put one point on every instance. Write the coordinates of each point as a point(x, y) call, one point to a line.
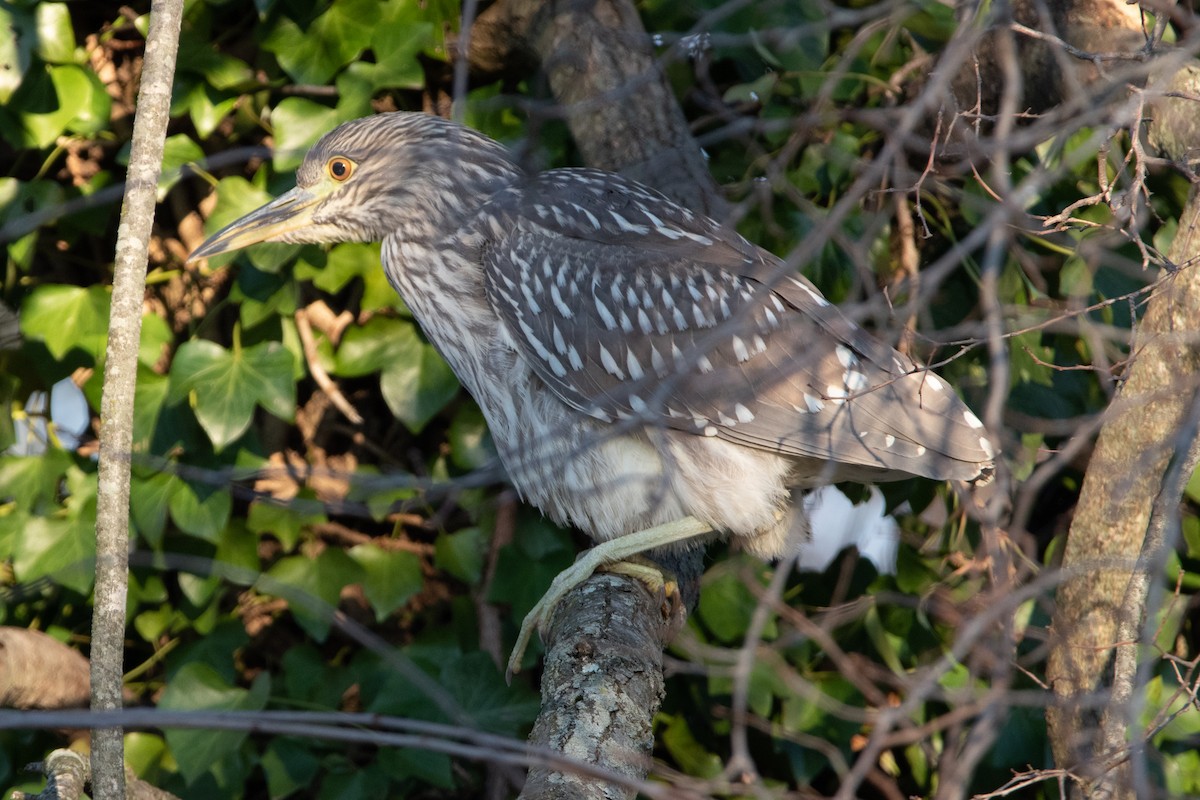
point(204, 104)
point(149, 398)
point(82, 105)
point(198, 686)
point(330, 272)
point(396, 46)
point(298, 123)
point(65, 317)
point(200, 509)
point(315, 53)
point(148, 499)
point(727, 604)
point(62, 546)
point(31, 481)
point(16, 48)
point(461, 554)
point(494, 706)
point(418, 383)
point(55, 35)
point(391, 577)
point(692, 756)
point(226, 385)
point(371, 347)
point(284, 521)
point(178, 151)
point(289, 766)
point(312, 586)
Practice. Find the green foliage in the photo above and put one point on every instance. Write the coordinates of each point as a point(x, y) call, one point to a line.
point(262, 516)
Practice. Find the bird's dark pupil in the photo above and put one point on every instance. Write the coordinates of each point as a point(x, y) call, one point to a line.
point(339, 169)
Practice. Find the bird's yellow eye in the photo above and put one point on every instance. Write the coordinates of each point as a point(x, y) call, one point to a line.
point(340, 168)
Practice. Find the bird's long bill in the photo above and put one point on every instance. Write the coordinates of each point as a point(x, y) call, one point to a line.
point(289, 212)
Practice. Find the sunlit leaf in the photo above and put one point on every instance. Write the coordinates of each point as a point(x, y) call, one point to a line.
point(65, 317)
point(315, 53)
point(228, 384)
point(16, 48)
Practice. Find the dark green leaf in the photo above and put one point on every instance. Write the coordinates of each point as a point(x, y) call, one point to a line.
point(199, 687)
point(471, 445)
point(331, 273)
point(461, 554)
point(372, 347)
point(289, 764)
point(284, 521)
point(418, 385)
point(391, 577)
point(396, 47)
point(312, 586)
point(479, 687)
point(236, 197)
point(298, 123)
point(691, 756)
point(32, 481)
point(199, 509)
point(60, 548)
point(178, 151)
point(427, 767)
point(727, 604)
point(148, 500)
point(81, 106)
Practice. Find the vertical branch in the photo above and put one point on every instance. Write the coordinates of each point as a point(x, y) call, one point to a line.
point(1124, 480)
point(120, 380)
point(598, 60)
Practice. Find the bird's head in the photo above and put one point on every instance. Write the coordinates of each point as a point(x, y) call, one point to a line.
point(411, 175)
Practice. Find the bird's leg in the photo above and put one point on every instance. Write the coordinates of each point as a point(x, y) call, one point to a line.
point(604, 553)
point(643, 569)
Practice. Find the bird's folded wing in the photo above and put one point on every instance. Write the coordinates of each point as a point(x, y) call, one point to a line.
point(632, 308)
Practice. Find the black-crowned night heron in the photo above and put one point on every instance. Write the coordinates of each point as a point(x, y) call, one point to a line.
point(648, 375)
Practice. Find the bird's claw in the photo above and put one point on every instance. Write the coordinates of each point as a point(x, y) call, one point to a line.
point(541, 615)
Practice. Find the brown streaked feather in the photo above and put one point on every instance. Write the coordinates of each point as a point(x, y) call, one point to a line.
point(631, 307)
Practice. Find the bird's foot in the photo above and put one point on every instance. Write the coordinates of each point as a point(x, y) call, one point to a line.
point(659, 581)
point(610, 552)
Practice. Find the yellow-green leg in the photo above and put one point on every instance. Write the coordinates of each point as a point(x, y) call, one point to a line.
point(604, 553)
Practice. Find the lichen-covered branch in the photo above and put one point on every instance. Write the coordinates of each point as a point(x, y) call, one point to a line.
point(120, 380)
point(1124, 480)
point(67, 774)
point(598, 685)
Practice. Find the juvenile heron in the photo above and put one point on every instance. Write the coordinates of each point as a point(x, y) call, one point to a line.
point(648, 375)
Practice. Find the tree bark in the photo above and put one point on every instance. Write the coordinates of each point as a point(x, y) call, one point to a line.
point(600, 66)
point(120, 380)
point(1108, 572)
point(603, 672)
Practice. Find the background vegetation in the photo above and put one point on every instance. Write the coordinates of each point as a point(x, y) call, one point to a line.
point(300, 449)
